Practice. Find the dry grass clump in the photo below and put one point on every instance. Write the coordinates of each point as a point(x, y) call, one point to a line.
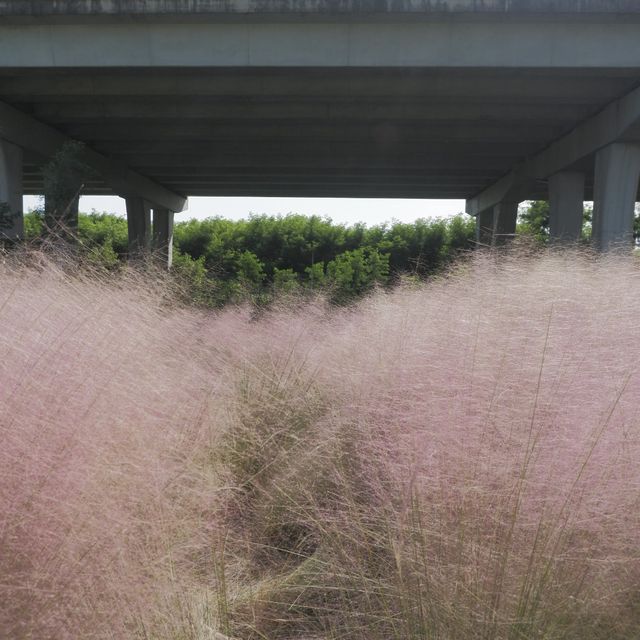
point(454, 461)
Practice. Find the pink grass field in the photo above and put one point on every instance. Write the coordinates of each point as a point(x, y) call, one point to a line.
point(449, 461)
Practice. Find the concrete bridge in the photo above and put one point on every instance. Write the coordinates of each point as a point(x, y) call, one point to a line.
point(494, 101)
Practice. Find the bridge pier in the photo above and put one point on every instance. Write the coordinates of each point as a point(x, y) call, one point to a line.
point(484, 228)
point(566, 206)
point(139, 226)
point(497, 225)
point(505, 216)
point(11, 190)
point(616, 188)
point(163, 234)
point(143, 236)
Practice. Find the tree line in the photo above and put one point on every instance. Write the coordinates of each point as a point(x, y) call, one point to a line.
point(223, 260)
point(219, 261)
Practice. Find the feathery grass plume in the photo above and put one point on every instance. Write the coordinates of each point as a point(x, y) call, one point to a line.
point(105, 401)
point(472, 468)
point(459, 460)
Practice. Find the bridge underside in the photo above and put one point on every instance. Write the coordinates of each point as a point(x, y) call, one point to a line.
point(408, 133)
point(495, 102)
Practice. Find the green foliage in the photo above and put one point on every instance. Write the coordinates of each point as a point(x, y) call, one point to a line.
point(217, 261)
point(63, 178)
point(315, 275)
point(33, 225)
point(101, 229)
point(353, 273)
point(194, 285)
point(285, 281)
point(296, 252)
point(250, 270)
point(101, 237)
point(534, 220)
point(461, 231)
point(104, 255)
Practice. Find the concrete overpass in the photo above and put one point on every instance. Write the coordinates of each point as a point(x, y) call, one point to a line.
point(495, 101)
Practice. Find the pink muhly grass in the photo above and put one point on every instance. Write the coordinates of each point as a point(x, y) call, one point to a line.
point(471, 469)
point(458, 460)
point(104, 401)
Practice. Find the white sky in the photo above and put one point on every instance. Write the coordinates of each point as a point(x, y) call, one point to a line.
point(372, 211)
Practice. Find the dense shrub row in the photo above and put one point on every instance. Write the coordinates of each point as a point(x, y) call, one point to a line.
point(219, 260)
point(224, 260)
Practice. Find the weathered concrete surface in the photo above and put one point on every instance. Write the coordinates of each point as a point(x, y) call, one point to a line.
point(42, 141)
point(409, 132)
point(618, 121)
point(564, 43)
point(11, 222)
point(477, 99)
point(97, 8)
point(616, 189)
point(566, 206)
point(139, 225)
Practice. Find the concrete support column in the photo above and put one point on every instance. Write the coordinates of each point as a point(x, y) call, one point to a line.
point(566, 206)
point(139, 226)
point(163, 234)
point(616, 189)
point(505, 216)
point(11, 217)
point(484, 228)
point(497, 225)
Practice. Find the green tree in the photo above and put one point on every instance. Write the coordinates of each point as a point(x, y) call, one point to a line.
point(33, 225)
point(231, 260)
point(534, 220)
point(353, 273)
point(100, 229)
point(193, 283)
point(63, 180)
point(250, 270)
point(285, 281)
point(315, 275)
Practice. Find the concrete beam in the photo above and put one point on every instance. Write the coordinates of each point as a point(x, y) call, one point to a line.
point(255, 42)
point(433, 166)
point(43, 140)
point(566, 206)
point(387, 133)
point(351, 88)
point(11, 217)
point(605, 128)
point(616, 188)
point(316, 150)
point(233, 109)
point(509, 188)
